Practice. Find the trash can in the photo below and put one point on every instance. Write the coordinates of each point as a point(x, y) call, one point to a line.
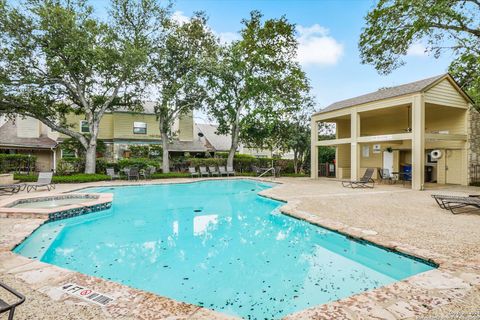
point(407, 172)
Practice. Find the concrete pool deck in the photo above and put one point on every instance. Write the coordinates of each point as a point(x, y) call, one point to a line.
point(389, 215)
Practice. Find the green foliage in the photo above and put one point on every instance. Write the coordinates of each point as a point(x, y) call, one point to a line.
point(326, 154)
point(16, 162)
point(178, 69)
point(146, 151)
point(443, 26)
point(74, 178)
point(256, 80)
point(73, 146)
point(52, 52)
point(195, 162)
point(466, 70)
point(82, 177)
point(140, 163)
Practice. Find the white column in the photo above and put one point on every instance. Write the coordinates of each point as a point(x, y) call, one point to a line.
point(54, 160)
point(314, 150)
point(418, 142)
point(355, 148)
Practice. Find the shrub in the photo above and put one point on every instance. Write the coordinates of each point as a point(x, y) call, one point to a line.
point(17, 162)
point(74, 178)
point(140, 163)
point(146, 151)
point(195, 162)
point(72, 165)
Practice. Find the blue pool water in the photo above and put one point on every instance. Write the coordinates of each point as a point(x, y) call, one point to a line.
point(217, 244)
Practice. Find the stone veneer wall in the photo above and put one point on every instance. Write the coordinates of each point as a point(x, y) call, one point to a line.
point(473, 141)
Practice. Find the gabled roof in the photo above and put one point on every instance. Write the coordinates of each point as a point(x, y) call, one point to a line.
point(219, 142)
point(385, 93)
point(9, 138)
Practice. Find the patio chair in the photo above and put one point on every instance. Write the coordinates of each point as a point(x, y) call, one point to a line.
point(278, 169)
point(442, 199)
point(230, 171)
point(193, 172)
point(10, 307)
point(203, 171)
point(365, 182)
point(9, 189)
point(44, 180)
point(147, 173)
point(223, 171)
point(214, 171)
point(385, 176)
point(133, 173)
point(111, 173)
point(452, 203)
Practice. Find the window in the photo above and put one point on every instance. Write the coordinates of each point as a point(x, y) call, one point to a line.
point(139, 128)
point(84, 128)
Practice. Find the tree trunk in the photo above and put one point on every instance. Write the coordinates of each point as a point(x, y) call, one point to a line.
point(165, 159)
point(91, 149)
point(91, 157)
point(234, 146)
point(295, 162)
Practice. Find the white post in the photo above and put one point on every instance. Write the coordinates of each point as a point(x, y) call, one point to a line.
point(314, 150)
point(418, 142)
point(54, 160)
point(355, 149)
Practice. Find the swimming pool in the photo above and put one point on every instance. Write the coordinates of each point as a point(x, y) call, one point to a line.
point(217, 244)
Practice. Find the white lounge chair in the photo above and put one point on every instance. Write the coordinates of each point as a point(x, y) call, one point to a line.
point(44, 180)
point(193, 172)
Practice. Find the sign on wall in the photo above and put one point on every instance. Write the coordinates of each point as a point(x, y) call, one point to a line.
point(365, 151)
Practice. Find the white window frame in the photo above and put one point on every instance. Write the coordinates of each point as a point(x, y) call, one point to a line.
point(139, 125)
point(81, 126)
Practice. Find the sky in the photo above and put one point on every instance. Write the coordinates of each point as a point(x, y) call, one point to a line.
point(328, 32)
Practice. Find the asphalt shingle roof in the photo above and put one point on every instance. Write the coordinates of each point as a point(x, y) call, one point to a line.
point(385, 93)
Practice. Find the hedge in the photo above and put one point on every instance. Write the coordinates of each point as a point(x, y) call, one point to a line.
point(83, 177)
point(16, 162)
point(74, 178)
point(243, 163)
point(140, 163)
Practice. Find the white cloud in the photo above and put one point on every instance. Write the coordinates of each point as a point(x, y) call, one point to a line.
point(179, 17)
point(417, 49)
point(317, 47)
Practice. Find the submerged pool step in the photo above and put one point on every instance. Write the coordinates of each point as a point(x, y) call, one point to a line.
point(37, 248)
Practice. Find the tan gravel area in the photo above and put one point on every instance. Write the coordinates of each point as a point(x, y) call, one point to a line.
point(392, 212)
point(395, 212)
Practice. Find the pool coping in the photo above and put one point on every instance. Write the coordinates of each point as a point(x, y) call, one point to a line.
point(413, 296)
point(93, 202)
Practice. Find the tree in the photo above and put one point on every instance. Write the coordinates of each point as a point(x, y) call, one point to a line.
point(255, 75)
point(298, 137)
point(284, 131)
point(57, 58)
point(393, 26)
point(179, 67)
